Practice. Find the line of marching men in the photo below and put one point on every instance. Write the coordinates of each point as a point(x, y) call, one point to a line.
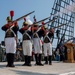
point(33, 33)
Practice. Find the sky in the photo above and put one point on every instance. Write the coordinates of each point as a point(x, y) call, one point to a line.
point(42, 10)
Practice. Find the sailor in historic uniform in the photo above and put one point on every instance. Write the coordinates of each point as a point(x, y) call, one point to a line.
point(26, 43)
point(48, 37)
point(37, 34)
point(10, 40)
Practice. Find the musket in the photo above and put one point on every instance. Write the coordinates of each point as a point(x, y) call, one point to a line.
point(59, 26)
point(53, 27)
point(42, 20)
point(20, 18)
point(49, 22)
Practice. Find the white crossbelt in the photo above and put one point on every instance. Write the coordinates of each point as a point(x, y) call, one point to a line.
point(47, 36)
point(36, 32)
point(11, 30)
point(27, 34)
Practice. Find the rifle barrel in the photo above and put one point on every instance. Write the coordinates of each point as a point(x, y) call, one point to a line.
point(49, 22)
point(24, 16)
point(43, 20)
point(59, 26)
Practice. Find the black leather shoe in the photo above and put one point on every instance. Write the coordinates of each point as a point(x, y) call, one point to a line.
point(7, 65)
point(24, 64)
point(50, 63)
point(29, 65)
point(46, 63)
point(12, 66)
point(40, 64)
point(36, 63)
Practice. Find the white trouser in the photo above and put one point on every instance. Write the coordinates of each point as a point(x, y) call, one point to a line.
point(10, 44)
point(37, 45)
point(47, 49)
point(27, 47)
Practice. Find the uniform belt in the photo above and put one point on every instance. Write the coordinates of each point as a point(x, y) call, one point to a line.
point(26, 39)
point(9, 36)
point(46, 40)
